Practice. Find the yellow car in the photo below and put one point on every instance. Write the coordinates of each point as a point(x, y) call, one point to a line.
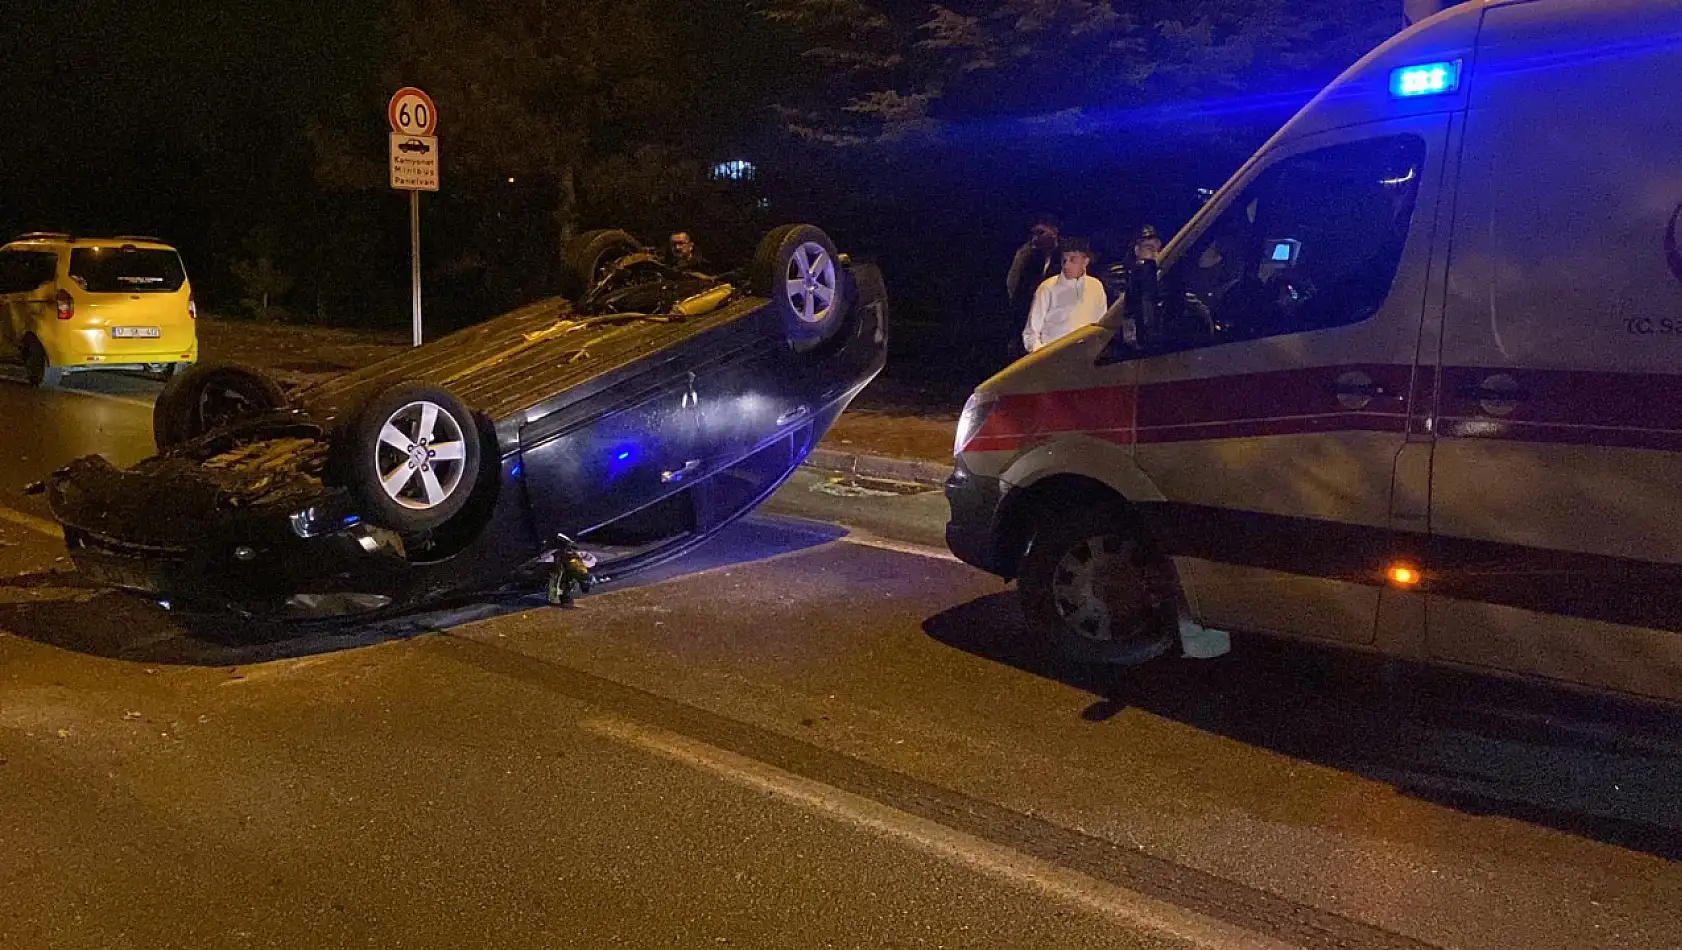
point(71, 304)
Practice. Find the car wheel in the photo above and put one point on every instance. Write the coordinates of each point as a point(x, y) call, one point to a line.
point(799, 270)
point(589, 255)
point(206, 396)
point(1095, 590)
point(38, 367)
point(411, 453)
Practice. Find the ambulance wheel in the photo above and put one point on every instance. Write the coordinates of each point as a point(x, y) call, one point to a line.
point(1094, 589)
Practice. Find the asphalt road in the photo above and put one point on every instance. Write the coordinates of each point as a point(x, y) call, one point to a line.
point(807, 735)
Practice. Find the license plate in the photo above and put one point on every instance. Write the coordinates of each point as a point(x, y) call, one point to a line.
point(135, 333)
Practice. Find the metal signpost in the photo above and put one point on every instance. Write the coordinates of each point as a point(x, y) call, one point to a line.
point(414, 168)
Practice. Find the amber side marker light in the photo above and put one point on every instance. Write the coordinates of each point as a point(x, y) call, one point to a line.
point(1402, 575)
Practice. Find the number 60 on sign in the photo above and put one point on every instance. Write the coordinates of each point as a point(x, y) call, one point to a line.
point(411, 112)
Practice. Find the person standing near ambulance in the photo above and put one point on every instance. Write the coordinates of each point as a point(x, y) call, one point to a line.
point(1066, 302)
point(1034, 262)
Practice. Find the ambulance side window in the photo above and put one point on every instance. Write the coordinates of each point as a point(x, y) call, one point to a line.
point(1314, 242)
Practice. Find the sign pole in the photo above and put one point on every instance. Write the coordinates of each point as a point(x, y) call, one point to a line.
point(414, 259)
point(414, 168)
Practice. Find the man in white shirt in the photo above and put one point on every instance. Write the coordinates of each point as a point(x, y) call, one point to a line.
point(1066, 302)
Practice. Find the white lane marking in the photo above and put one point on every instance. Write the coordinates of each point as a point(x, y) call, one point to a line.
point(854, 536)
point(1106, 900)
point(31, 522)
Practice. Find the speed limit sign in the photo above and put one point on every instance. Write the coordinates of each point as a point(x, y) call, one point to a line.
point(414, 168)
point(411, 112)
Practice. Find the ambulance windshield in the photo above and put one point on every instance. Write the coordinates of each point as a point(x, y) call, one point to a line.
point(1314, 242)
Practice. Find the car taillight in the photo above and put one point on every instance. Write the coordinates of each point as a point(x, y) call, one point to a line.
point(66, 305)
point(192, 308)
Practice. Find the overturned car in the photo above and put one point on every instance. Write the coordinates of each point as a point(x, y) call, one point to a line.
point(617, 428)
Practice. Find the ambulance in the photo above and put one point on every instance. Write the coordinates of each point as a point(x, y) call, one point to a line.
point(1410, 383)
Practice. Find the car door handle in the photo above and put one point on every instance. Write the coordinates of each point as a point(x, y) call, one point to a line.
point(679, 474)
point(798, 412)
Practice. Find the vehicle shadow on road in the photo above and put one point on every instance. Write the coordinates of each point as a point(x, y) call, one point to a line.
point(1597, 767)
point(71, 615)
point(63, 610)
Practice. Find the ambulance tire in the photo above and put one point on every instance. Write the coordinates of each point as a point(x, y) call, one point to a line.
point(1094, 589)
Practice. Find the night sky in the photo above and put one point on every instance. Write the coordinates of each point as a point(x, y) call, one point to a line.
point(190, 121)
point(130, 116)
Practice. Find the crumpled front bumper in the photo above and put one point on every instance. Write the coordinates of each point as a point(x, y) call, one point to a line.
point(174, 539)
point(224, 575)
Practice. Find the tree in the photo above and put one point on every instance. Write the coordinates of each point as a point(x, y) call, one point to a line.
point(555, 116)
point(533, 90)
point(890, 74)
point(260, 277)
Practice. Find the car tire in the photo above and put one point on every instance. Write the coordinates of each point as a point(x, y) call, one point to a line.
point(1094, 589)
point(38, 367)
point(591, 252)
point(207, 396)
point(797, 267)
point(411, 453)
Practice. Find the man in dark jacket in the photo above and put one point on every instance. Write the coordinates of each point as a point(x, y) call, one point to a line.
point(1147, 244)
point(1142, 299)
point(1034, 262)
point(681, 253)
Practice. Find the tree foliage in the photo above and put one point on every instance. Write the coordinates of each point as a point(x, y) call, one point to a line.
point(526, 89)
point(258, 271)
point(892, 69)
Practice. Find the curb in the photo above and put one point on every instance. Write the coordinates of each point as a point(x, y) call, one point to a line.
point(917, 471)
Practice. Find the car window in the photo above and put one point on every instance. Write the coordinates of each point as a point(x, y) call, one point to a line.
point(24, 271)
point(41, 267)
point(113, 270)
point(1314, 242)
